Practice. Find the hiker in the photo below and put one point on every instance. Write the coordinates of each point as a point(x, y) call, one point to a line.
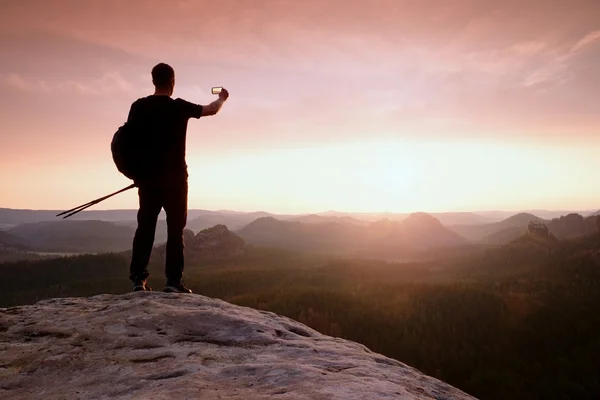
point(164, 182)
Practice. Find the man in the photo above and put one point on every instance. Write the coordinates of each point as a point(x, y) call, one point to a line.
point(164, 182)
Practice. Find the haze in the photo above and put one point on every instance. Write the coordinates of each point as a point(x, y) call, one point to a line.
point(395, 106)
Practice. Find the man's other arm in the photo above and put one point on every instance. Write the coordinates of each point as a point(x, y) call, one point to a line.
point(214, 107)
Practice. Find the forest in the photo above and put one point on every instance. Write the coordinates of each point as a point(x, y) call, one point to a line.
point(518, 321)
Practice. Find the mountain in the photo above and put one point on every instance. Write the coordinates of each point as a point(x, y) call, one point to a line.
point(328, 236)
point(67, 236)
point(505, 235)
point(10, 241)
point(160, 235)
point(424, 230)
point(237, 219)
point(13, 248)
point(544, 214)
point(154, 345)
point(320, 219)
point(233, 220)
point(461, 218)
point(489, 233)
point(572, 225)
point(565, 227)
point(537, 235)
point(12, 217)
point(211, 243)
point(417, 231)
point(446, 218)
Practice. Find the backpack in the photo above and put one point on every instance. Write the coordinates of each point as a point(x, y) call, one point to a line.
point(127, 151)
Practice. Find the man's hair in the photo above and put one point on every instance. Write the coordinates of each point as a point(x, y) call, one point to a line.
point(162, 74)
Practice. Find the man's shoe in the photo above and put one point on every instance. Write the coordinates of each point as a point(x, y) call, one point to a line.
point(141, 286)
point(176, 288)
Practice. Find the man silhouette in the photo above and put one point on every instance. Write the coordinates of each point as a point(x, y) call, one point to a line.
point(164, 183)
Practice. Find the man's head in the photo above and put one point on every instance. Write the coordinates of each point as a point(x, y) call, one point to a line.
point(163, 77)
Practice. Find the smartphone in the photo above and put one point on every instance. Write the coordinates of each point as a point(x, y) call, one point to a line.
point(216, 90)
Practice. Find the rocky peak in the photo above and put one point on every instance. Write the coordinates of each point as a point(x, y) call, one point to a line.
point(217, 241)
point(153, 345)
point(537, 228)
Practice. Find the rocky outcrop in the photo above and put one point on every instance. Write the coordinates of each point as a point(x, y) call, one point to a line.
point(217, 241)
point(153, 345)
point(210, 243)
point(537, 228)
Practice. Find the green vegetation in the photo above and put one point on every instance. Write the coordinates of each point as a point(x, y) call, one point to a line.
point(514, 322)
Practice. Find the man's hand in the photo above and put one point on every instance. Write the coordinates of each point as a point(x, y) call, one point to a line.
point(224, 95)
point(216, 105)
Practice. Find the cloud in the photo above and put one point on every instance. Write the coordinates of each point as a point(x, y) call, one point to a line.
point(316, 64)
point(109, 83)
point(586, 40)
point(556, 69)
point(18, 82)
point(528, 48)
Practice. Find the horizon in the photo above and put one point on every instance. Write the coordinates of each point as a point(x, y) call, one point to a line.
point(323, 213)
point(389, 108)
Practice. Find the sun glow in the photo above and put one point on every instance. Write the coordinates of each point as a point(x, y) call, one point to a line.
point(377, 176)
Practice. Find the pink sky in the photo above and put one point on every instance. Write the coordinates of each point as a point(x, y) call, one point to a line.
point(385, 105)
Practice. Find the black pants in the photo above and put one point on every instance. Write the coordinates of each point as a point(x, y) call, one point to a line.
point(172, 197)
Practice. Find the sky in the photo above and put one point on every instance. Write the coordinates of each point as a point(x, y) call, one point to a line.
point(378, 106)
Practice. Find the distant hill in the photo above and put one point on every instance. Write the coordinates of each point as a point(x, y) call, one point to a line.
point(424, 230)
point(505, 235)
point(535, 237)
point(329, 236)
point(462, 218)
point(10, 241)
point(199, 219)
point(572, 226)
point(320, 219)
point(489, 233)
point(445, 218)
point(232, 219)
point(328, 231)
point(74, 236)
point(544, 214)
point(160, 235)
point(13, 248)
point(417, 231)
point(565, 227)
point(209, 244)
point(215, 242)
point(12, 217)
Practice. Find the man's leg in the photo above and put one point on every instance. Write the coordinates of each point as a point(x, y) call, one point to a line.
point(143, 241)
point(176, 209)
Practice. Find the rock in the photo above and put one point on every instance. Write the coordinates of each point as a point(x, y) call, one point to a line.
point(217, 241)
point(537, 228)
point(211, 243)
point(153, 345)
point(188, 236)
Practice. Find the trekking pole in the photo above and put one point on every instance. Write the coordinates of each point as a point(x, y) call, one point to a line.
point(82, 207)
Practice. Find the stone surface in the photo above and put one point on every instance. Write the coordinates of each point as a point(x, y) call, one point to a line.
point(153, 345)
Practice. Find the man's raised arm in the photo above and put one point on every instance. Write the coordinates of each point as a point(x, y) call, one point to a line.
point(216, 105)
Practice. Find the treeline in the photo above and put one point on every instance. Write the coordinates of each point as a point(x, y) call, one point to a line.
point(515, 322)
